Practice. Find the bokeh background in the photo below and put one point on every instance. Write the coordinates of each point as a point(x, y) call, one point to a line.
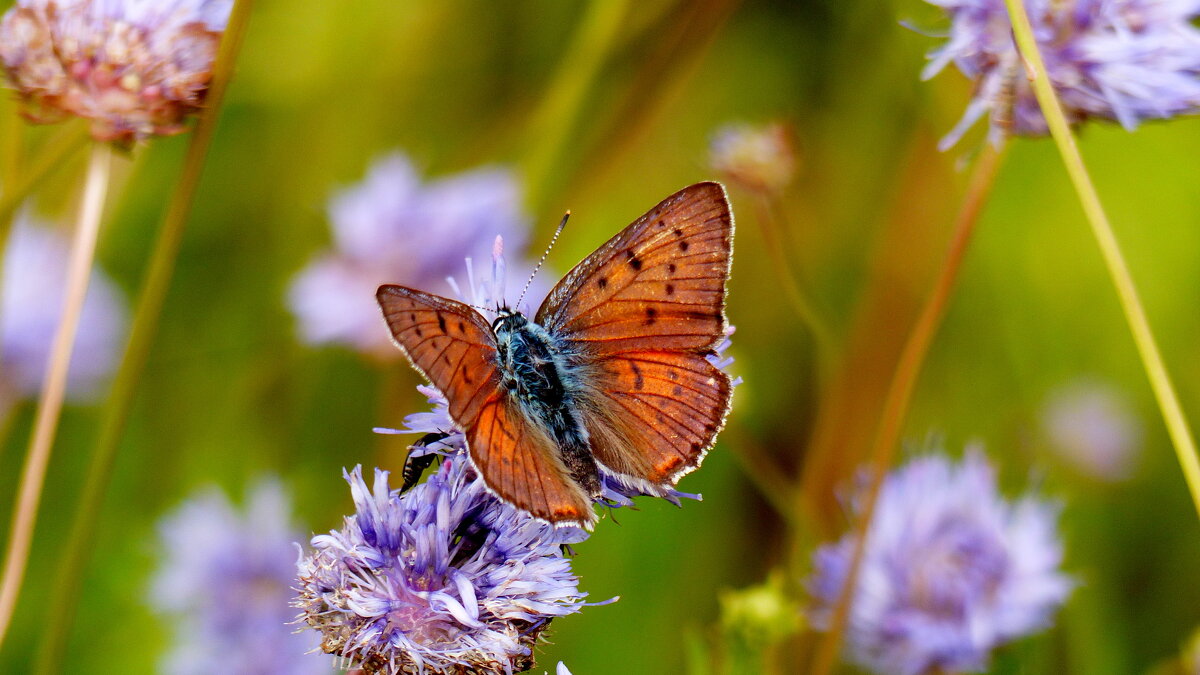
point(606, 128)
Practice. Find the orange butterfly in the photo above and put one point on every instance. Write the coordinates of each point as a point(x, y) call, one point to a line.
point(611, 374)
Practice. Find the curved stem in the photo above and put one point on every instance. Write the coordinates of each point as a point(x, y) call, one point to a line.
point(900, 391)
point(141, 338)
point(770, 219)
point(54, 386)
point(1114, 260)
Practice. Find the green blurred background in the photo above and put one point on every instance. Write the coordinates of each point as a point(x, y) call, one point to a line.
point(322, 89)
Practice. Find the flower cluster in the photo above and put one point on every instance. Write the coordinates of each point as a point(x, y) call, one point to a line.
point(226, 580)
point(758, 158)
point(31, 294)
point(391, 228)
point(444, 578)
point(951, 570)
point(132, 67)
point(1123, 60)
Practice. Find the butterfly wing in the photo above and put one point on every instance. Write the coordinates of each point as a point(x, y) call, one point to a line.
point(642, 313)
point(454, 348)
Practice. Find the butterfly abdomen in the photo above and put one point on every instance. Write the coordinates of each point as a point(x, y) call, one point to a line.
point(540, 379)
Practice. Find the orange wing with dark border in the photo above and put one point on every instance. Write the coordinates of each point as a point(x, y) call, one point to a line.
point(643, 312)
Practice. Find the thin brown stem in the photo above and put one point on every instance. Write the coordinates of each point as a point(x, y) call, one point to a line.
point(83, 250)
point(899, 395)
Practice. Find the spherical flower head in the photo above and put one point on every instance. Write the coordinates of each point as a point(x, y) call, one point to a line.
point(951, 570)
point(758, 158)
point(226, 581)
point(1092, 427)
point(135, 68)
point(394, 229)
point(444, 578)
point(1123, 60)
point(32, 282)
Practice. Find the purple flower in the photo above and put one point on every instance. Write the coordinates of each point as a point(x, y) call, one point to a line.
point(136, 68)
point(1123, 60)
point(442, 579)
point(758, 158)
point(951, 570)
point(1092, 427)
point(31, 296)
point(391, 228)
point(226, 581)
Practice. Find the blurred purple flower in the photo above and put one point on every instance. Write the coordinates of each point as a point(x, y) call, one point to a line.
point(136, 68)
point(759, 158)
point(31, 289)
point(1093, 428)
point(1123, 60)
point(391, 228)
point(951, 570)
point(442, 579)
point(226, 581)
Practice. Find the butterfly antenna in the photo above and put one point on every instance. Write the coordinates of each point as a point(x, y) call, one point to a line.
point(557, 231)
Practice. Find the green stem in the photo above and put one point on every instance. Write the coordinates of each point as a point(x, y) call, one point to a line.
point(555, 121)
point(1114, 260)
point(68, 581)
point(771, 222)
point(899, 394)
point(54, 386)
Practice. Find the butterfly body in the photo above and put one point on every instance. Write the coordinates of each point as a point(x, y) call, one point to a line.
point(611, 378)
point(543, 381)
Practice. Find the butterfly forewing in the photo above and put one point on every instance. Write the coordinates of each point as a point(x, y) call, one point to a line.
point(641, 314)
point(449, 343)
point(658, 284)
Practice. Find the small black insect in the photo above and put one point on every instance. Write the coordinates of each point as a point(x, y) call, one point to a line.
point(415, 465)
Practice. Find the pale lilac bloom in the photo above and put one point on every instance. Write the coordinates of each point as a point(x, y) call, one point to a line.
point(951, 571)
point(135, 68)
point(444, 578)
point(32, 282)
point(1122, 60)
point(225, 584)
point(757, 157)
point(1093, 428)
point(392, 228)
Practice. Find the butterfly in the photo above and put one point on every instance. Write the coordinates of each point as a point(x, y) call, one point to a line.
point(610, 375)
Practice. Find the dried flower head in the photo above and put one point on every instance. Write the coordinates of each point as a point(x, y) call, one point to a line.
point(758, 158)
point(135, 68)
point(951, 570)
point(444, 578)
point(391, 228)
point(1093, 428)
point(226, 581)
point(1123, 60)
point(31, 294)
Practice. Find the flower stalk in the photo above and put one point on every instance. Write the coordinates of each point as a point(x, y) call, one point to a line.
point(1114, 260)
point(141, 339)
point(899, 395)
point(54, 386)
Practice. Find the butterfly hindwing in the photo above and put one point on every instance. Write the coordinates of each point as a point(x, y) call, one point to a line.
point(449, 343)
point(658, 284)
point(669, 406)
point(521, 464)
